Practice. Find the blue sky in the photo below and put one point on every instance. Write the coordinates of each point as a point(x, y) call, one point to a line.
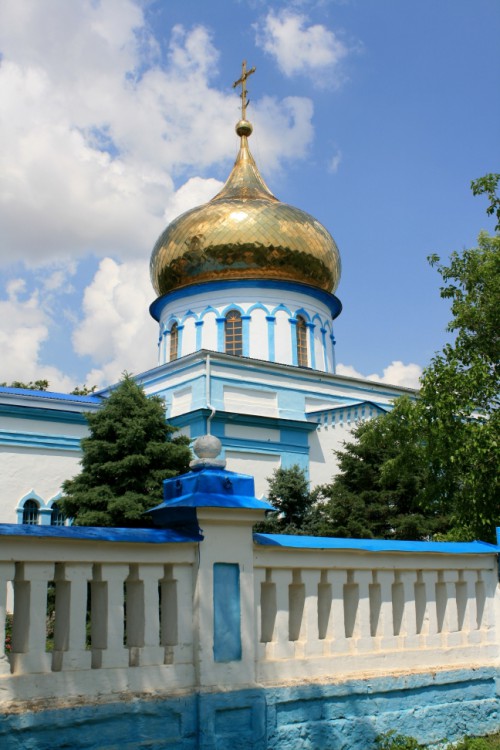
point(373, 115)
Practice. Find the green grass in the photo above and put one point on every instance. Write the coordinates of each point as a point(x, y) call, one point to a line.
point(393, 741)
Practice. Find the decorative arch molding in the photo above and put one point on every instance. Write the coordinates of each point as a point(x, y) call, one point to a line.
point(233, 306)
point(187, 315)
point(258, 306)
point(301, 313)
point(282, 308)
point(209, 309)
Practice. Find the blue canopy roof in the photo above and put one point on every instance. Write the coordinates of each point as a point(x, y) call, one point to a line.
point(375, 545)
point(103, 533)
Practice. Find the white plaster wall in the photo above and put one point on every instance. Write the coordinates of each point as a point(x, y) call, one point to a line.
point(197, 302)
point(258, 465)
point(43, 426)
point(209, 335)
point(26, 469)
point(247, 401)
point(182, 401)
point(282, 338)
point(188, 337)
point(258, 335)
point(248, 432)
point(322, 444)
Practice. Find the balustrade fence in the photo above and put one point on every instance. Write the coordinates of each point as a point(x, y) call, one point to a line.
point(93, 616)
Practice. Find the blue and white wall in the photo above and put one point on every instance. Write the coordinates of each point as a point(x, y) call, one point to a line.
point(40, 437)
point(269, 311)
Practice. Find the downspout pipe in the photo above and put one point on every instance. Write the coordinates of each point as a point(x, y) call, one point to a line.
point(208, 387)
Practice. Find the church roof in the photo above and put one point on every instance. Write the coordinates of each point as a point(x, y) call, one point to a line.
point(245, 232)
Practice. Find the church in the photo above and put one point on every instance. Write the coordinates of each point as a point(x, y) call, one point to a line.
point(245, 307)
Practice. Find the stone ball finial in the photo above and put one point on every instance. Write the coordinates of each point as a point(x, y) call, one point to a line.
point(207, 446)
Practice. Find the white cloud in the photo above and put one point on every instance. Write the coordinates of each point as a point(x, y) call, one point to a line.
point(95, 124)
point(334, 162)
point(299, 47)
point(116, 330)
point(24, 327)
point(397, 373)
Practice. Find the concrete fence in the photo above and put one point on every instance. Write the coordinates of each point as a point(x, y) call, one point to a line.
point(227, 640)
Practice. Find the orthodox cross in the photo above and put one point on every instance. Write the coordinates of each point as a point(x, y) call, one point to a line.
point(243, 83)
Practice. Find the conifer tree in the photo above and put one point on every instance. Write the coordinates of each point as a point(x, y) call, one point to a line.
point(129, 451)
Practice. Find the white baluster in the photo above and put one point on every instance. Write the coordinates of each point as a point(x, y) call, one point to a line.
point(362, 631)
point(409, 622)
point(310, 633)
point(261, 611)
point(143, 615)
point(282, 648)
point(7, 570)
point(107, 616)
point(180, 643)
point(339, 643)
point(471, 633)
point(430, 622)
point(29, 633)
point(385, 629)
point(71, 612)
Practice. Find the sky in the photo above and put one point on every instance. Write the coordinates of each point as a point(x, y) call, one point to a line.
point(118, 115)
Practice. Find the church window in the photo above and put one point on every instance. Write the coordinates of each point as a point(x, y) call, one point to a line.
point(234, 333)
point(31, 512)
point(174, 342)
point(302, 360)
point(57, 517)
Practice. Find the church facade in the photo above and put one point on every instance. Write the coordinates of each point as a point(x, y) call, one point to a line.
point(246, 307)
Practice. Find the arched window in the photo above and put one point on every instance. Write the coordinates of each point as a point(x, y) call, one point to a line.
point(31, 512)
point(233, 333)
point(301, 329)
point(57, 517)
point(174, 342)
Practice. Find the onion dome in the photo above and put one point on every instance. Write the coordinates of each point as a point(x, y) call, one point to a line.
point(244, 232)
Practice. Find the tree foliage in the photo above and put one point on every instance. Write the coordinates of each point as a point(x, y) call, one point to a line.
point(129, 451)
point(289, 494)
point(380, 487)
point(429, 467)
point(461, 390)
point(32, 385)
point(432, 465)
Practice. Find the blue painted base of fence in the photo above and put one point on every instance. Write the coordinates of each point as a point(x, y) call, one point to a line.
point(340, 716)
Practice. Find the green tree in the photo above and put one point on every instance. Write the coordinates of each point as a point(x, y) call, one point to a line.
point(83, 390)
point(289, 494)
point(379, 490)
point(460, 392)
point(129, 451)
point(32, 385)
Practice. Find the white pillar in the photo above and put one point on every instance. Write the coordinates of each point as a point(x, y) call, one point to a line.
point(7, 570)
point(29, 633)
point(143, 615)
point(107, 616)
point(70, 632)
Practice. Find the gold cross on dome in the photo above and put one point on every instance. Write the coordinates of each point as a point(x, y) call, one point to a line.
point(243, 83)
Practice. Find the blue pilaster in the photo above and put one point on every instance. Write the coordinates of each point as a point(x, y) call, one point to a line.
point(271, 319)
point(245, 326)
point(198, 326)
point(293, 331)
point(220, 333)
point(310, 328)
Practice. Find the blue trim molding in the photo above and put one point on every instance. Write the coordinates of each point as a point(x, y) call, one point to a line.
point(330, 300)
point(40, 440)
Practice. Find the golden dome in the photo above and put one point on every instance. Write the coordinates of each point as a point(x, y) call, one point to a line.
point(244, 232)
